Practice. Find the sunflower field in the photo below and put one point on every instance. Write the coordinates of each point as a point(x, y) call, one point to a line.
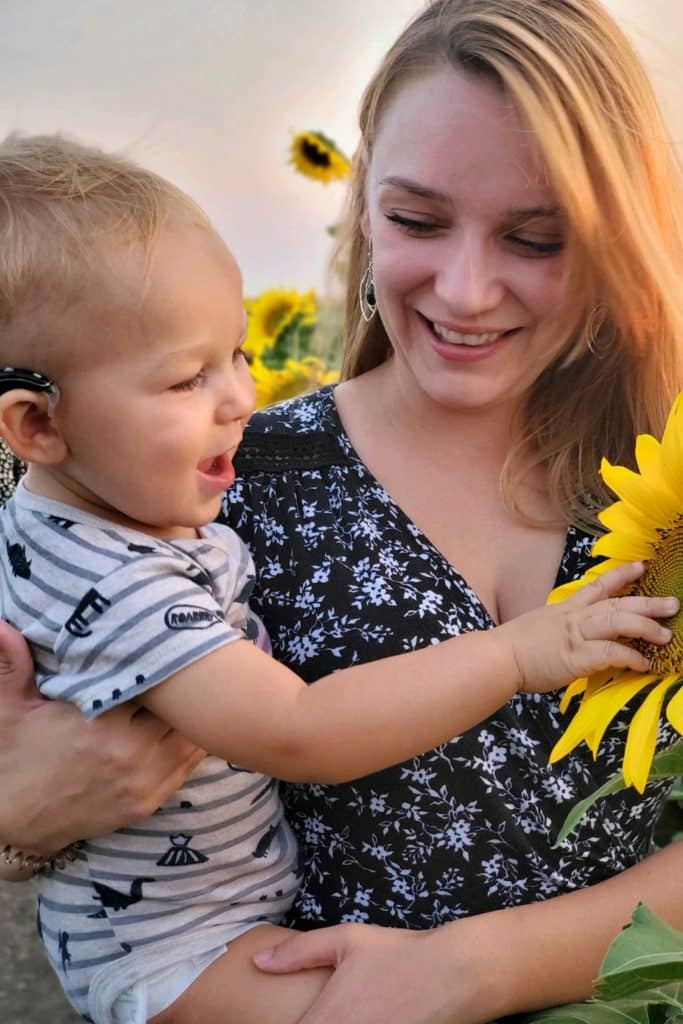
point(294, 338)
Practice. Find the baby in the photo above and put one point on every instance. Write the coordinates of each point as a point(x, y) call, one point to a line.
point(125, 390)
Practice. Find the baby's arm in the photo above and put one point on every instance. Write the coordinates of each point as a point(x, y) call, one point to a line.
point(240, 704)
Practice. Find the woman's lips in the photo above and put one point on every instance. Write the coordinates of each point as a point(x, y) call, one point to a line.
point(466, 347)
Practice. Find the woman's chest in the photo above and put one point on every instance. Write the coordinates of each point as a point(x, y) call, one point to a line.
point(510, 564)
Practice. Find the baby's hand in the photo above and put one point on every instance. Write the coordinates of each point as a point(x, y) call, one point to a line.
point(554, 645)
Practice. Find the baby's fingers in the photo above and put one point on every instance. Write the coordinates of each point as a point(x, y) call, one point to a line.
point(654, 607)
point(613, 624)
point(607, 585)
point(610, 654)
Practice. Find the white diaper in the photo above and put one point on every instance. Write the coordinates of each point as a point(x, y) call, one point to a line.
point(152, 995)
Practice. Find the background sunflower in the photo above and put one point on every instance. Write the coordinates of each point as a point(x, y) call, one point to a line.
point(292, 344)
point(317, 156)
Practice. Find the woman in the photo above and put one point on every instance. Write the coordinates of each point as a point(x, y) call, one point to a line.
point(514, 312)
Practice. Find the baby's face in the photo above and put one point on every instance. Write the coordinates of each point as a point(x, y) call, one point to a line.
point(152, 429)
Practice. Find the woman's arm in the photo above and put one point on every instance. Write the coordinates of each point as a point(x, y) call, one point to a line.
point(480, 968)
point(64, 778)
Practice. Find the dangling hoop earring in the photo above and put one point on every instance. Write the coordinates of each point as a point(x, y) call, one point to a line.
point(366, 292)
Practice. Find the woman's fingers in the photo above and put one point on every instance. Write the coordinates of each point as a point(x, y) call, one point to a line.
point(322, 948)
point(16, 666)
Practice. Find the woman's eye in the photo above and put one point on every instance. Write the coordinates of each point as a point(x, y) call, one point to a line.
point(533, 247)
point(189, 385)
point(411, 225)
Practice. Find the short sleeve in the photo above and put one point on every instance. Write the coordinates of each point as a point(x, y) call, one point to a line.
point(137, 626)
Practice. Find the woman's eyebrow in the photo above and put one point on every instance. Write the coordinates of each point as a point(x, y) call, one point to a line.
point(423, 192)
point(531, 212)
point(417, 190)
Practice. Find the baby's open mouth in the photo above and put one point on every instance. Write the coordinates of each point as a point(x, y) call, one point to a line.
point(216, 465)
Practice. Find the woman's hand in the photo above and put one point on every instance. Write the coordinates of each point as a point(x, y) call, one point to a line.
point(64, 778)
point(481, 968)
point(384, 975)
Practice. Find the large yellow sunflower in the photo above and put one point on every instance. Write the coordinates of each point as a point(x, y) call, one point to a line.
point(316, 156)
point(646, 524)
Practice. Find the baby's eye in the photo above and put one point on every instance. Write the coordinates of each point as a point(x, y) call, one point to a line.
point(189, 385)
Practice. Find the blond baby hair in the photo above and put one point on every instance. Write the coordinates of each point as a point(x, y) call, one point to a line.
point(66, 211)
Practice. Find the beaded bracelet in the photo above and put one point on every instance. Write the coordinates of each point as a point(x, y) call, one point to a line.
point(36, 862)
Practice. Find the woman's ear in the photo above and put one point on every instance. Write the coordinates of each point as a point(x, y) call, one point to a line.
point(28, 429)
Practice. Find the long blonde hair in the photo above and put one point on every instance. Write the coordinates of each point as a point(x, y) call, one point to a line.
point(576, 79)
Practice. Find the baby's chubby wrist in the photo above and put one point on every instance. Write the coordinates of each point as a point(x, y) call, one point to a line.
point(505, 655)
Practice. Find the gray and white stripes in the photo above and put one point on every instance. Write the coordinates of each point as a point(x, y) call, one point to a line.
point(110, 612)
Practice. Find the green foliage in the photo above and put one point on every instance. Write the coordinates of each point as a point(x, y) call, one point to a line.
point(667, 764)
point(641, 979)
point(670, 825)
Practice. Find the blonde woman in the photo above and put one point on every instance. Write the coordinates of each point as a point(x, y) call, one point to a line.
point(514, 313)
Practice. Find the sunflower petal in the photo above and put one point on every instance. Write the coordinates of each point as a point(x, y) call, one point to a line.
point(624, 518)
point(600, 679)
point(609, 703)
point(595, 714)
point(623, 546)
point(656, 502)
point(560, 594)
point(578, 686)
point(672, 447)
point(566, 590)
point(642, 736)
point(674, 711)
point(648, 451)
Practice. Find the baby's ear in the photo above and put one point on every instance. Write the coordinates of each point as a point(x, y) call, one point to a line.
point(28, 429)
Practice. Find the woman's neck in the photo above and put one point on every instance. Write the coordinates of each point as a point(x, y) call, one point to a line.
point(384, 401)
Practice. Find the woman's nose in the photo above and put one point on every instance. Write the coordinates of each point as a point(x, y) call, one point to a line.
point(468, 281)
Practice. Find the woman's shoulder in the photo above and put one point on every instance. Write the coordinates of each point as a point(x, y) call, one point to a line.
point(300, 433)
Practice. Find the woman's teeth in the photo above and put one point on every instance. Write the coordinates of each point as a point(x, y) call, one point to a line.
point(473, 340)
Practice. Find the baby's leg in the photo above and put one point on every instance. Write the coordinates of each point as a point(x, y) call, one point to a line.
point(232, 991)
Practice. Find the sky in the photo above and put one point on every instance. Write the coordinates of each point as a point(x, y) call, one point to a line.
point(209, 93)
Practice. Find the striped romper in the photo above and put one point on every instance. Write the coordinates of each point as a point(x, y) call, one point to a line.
point(109, 612)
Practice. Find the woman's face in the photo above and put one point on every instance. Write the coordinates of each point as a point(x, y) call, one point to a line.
point(468, 242)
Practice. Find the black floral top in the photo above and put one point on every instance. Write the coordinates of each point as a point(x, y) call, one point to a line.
point(344, 578)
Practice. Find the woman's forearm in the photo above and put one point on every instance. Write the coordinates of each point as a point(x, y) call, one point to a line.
point(547, 953)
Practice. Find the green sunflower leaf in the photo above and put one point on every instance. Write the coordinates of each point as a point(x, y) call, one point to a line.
point(666, 764)
point(590, 1013)
point(641, 979)
point(644, 962)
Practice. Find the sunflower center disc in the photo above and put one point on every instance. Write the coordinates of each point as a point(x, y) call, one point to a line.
point(316, 154)
point(663, 577)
